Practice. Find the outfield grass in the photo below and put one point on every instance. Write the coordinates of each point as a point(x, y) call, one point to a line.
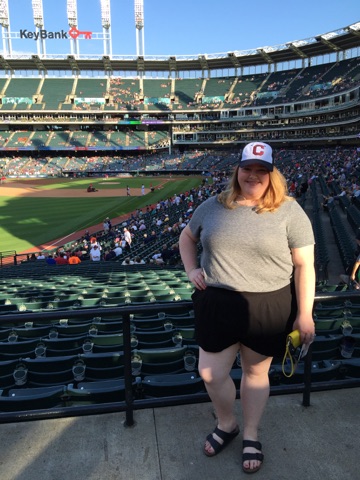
point(27, 222)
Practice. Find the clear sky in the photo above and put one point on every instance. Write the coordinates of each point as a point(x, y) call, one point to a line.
point(189, 27)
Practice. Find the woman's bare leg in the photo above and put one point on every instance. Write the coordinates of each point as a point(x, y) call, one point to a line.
point(214, 369)
point(254, 393)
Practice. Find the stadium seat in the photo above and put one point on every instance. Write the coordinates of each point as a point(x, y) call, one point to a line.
point(330, 325)
point(17, 349)
point(96, 392)
point(22, 399)
point(170, 385)
point(103, 366)
point(161, 360)
point(326, 342)
point(322, 371)
point(102, 343)
point(328, 309)
point(47, 371)
point(64, 346)
point(155, 338)
point(351, 367)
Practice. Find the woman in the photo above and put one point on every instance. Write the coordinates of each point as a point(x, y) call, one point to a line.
point(256, 283)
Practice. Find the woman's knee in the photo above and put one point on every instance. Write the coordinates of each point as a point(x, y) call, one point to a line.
point(212, 376)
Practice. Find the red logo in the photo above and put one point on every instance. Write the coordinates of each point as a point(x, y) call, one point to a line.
point(75, 33)
point(258, 150)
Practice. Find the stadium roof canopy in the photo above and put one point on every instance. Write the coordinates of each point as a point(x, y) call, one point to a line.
point(333, 42)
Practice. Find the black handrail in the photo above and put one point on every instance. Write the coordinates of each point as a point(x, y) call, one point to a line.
point(7, 254)
point(130, 403)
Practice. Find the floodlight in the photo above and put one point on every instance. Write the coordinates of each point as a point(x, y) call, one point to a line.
point(38, 13)
point(4, 13)
point(105, 13)
point(71, 9)
point(139, 14)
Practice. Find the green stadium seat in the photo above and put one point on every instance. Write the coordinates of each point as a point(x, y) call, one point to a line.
point(113, 340)
point(169, 385)
point(328, 325)
point(334, 309)
point(96, 392)
point(103, 366)
point(326, 342)
point(322, 371)
point(22, 399)
point(351, 367)
point(155, 338)
point(42, 371)
point(64, 346)
point(12, 350)
point(161, 360)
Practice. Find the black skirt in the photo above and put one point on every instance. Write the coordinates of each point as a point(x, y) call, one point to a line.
point(260, 321)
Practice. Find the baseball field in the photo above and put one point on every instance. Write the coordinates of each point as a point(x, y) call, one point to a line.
point(36, 212)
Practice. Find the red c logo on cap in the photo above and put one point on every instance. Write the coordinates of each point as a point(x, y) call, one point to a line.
point(258, 149)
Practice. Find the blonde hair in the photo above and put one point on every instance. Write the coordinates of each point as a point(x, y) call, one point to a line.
point(275, 195)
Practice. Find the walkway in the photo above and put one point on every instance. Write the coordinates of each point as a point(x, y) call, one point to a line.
point(308, 443)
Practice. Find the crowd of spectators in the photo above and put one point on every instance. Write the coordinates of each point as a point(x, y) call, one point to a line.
point(149, 236)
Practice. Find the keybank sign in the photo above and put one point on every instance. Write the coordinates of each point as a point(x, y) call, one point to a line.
point(43, 34)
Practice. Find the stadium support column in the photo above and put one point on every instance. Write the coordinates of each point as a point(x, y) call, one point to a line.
point(73, 22)
point(170, 134)
point(39, 24)
point(139, 25)
point(5, 27)
point(106, 25)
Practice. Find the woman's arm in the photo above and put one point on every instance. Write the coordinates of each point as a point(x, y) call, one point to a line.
point(304, 276)
point(354, 270)
point(188, 253)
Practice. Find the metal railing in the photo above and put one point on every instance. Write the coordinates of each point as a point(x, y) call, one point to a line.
point(130, 404)
point(8, 257)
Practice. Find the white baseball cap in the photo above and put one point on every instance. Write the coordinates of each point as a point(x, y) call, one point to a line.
point(257, 152)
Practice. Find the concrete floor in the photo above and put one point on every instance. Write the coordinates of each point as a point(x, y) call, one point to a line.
point(166, 443)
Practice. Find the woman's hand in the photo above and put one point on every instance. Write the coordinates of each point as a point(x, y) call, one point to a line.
point(196, 277)
point(306, 327)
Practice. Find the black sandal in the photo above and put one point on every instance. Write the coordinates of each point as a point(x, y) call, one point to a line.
point(227, 437)
point(252, 456)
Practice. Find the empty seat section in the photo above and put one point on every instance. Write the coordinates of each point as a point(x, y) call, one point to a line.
point(19, 93)
point(55, 91)
point(185, 92)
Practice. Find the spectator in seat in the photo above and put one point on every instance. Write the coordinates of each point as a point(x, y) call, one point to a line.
point(74, 259)
point(127, 261)
point(117, 250)
point(109, 255)
point(50, 260)
point(61, 260)
point(166, 253)
point(95, 254)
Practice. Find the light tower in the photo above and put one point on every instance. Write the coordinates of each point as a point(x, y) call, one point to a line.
point(139, 24)
point(71, 9)
point(5, 26)
point(39, 24)
point(106, 25)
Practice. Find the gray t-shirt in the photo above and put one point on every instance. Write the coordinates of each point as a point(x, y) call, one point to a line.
point(246, 251)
